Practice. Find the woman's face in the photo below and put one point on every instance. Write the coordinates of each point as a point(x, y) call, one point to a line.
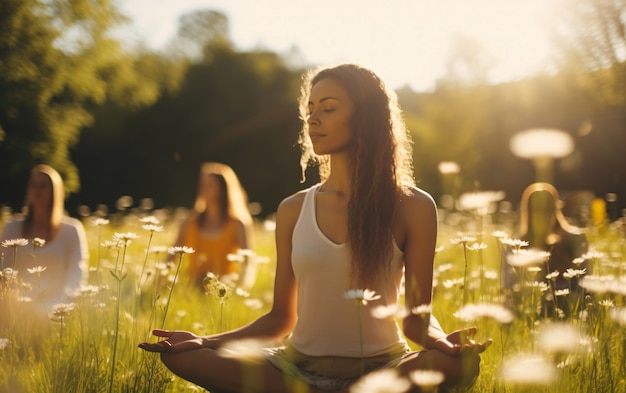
point(329, 117)
point(40, 190)
point(211, 189)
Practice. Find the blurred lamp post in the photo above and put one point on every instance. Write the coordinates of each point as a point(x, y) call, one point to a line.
point(543, 146)
point(449, 171)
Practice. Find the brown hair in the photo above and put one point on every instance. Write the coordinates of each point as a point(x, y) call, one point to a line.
point(381, 168)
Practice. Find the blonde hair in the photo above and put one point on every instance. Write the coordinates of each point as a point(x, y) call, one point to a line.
point(382, 170)
point(57, 199)
point(234, 203)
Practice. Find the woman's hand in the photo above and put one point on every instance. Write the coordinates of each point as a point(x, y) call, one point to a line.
point(175, 341)
point(461, 341)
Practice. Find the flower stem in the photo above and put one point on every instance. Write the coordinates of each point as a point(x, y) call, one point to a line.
point(169, 296)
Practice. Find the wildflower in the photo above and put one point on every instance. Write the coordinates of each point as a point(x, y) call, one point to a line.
point(542, 286)
point(480, 201)
point(37, 270)
point(426, 379)
point(125, 238)
point(150, 220)
point(515, 243)
point(362, 296)
point(381, 381)
point(88, 290)
point(110, 244)
point(4, 343)
point(38, 242)
point(245, 349)
point(253, 304)
point(8, 275)
point(14, 243)
point(571, 273)
point(98, 222)
point(578, 261)
point(464, 239)
point(528, 370)
point(559, 337)
point(152, 228)
point(157, 249)
point(593, 254)
point(553, 276)
point(453, 283)
point(383, 312)
point(473, 312)
point(491, 274)
point(499, 234)
point(561, 292)
point(597, 284)
point(527, 257)
point(422, 309)
point(476, 246)
point(180, 250)
point(241, 255)
point(608, 303)
point(60, 311)
point(618, 315)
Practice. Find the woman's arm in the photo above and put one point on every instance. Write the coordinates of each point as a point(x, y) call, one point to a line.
point(275, 324)
point(420, 222)
point(420, 214)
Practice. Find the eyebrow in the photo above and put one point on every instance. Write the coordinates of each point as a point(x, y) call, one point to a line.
point(325, 99)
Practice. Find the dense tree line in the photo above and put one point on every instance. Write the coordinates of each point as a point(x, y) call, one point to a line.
point(140, 123)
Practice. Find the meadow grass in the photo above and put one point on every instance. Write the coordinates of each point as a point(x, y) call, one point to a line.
point(90, 344)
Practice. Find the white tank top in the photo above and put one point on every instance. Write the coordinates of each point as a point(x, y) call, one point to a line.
point(328, 323)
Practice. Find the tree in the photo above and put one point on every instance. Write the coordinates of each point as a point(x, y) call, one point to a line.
point(592, 42)
point(57, 61)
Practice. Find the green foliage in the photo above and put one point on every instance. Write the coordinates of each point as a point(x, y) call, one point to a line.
point(56, 59)
point(236, 108)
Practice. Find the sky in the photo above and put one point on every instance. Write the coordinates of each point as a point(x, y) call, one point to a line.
point(406, 42)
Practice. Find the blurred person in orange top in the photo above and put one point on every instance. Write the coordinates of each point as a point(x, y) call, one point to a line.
point(57, 252)
point(219, 225)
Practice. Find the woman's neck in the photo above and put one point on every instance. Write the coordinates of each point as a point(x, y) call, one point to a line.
point(338, 181)
point(41, 226)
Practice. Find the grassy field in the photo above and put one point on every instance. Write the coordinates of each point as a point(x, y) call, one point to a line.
point(90, 344)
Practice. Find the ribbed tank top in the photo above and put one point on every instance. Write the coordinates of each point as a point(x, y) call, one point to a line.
point(328, 323)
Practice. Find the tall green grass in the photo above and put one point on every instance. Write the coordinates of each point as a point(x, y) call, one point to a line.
point(92, 347)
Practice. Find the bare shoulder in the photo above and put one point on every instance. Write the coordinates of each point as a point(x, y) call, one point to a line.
point(289, 208)
point(417, 201)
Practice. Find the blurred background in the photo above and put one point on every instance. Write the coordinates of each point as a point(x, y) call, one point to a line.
point(128, 98)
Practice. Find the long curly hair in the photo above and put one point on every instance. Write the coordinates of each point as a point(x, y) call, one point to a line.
point(382, 168)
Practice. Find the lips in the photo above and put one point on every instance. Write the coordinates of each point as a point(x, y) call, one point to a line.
point(315, 135)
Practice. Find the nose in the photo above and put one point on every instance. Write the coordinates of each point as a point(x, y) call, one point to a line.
point(312, 118)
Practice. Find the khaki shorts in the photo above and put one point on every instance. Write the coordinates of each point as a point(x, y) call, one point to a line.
point(331, 372)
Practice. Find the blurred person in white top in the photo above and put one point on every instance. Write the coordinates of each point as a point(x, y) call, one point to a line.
point(57, 254)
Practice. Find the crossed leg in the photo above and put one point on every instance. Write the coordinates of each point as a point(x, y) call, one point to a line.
point(218, 374)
